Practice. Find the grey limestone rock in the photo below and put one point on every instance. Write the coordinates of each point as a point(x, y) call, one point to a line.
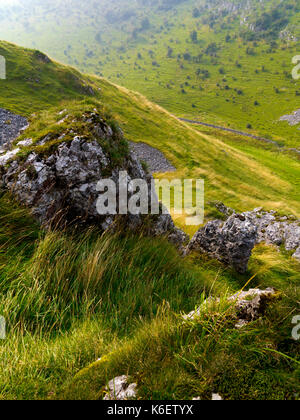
point(230, 242)
point(61, 184)
point(120, 389)
point(248, 305)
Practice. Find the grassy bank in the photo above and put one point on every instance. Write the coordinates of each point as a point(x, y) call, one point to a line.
point(72, 297)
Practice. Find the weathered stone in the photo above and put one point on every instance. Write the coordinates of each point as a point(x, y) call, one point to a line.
point(249, 305)
point(61, 184)
point(297, 254)
point(273, 229)
point(6, 157)
point(252, 304)
point(25, 143)
point(120, 389)
point(292, 236)
point(216, 397)
point(230, 242)
point(227, 211)
point(41, 57)
point(163, 223)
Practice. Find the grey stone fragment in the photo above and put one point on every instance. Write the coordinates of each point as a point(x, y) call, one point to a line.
point(248, 305)
point(252, 304)
point(273, 229)
point(120, 389)
point(297, 254)
point(230, 242)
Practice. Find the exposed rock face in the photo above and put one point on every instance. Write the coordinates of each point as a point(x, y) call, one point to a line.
point(277, 230)
point(42, 57)
point(216, 397)
point(120, 389)
point(227, 211)
point(230, 242)
point(297, 254)
point(60, 183)
point(273, 229)
point(249, 305)
point(292, 119)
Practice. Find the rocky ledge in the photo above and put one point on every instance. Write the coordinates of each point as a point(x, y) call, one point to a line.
point(56, 177)
point(230, 242)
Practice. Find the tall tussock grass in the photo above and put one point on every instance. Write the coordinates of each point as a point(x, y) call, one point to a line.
point(61, 275)
point(73, 296)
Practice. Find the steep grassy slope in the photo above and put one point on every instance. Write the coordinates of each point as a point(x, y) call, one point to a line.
point(194, 58)
point(71, 298)
point(241, 180)
point(34, 83)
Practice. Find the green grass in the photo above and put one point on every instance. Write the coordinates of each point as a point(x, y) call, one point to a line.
point(171, 360)
point(72, 297)
point(234, 175)
point(249, 81)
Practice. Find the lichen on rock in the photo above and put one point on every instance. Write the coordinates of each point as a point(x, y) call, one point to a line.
point(120, 389)
point(248, 305)
point(231, 242)
point(271, 228)
point(57, 176)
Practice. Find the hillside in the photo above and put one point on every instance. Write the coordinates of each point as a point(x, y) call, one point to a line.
point(259, 181)
point(227, 63)
point(72, 297)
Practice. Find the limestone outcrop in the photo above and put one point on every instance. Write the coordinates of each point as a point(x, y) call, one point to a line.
point(248, 305)
point(58, 177)
point(231, 242)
